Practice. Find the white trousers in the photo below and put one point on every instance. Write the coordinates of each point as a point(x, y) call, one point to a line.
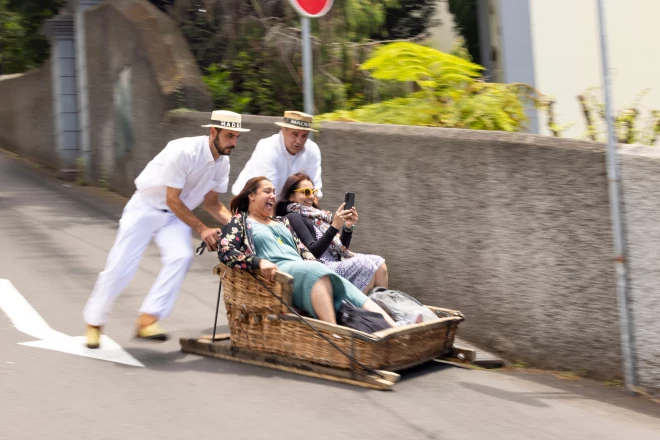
point(138, 225)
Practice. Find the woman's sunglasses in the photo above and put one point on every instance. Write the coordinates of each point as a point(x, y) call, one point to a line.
point(308, 192)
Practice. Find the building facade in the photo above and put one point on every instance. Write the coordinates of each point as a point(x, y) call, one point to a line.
point(555, 47)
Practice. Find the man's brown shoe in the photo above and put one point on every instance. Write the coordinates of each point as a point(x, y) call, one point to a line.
point(152, 332)
point(93, 335)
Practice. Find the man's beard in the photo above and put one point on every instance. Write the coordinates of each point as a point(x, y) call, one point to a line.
point(221, 152)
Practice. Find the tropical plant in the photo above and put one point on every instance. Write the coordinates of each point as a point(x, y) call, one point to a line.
point(429, 68)
point(450, 92)
point(267, 33)
point(547, 104)
point(407, 19)
point(626, 127)
point(22, 46)
point(360, 18)
point(467, 24)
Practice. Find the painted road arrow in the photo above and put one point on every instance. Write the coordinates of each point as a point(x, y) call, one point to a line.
point(28, 321)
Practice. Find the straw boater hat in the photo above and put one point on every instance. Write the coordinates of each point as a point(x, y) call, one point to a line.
point(299, 120)
point(226, 119)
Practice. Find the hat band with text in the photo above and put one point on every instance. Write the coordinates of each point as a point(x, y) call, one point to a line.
point(298, 122)
point(226, 124)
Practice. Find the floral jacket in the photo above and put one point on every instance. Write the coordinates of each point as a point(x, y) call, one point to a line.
point(237, 249)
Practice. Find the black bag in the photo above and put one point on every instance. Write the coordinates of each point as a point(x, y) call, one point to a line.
point(360, 319)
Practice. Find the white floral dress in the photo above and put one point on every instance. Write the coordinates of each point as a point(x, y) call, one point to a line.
point(358, 269)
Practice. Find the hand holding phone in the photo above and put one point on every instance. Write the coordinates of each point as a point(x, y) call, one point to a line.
point(349, 201)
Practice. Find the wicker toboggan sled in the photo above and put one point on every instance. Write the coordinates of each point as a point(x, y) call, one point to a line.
point(264, 332)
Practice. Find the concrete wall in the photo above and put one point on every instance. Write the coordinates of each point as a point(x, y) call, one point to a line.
point(26, 116)
point(133, 38)
point(641, 187)
point(512, 229)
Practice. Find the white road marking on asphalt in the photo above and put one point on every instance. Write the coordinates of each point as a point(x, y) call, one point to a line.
point(27, 320)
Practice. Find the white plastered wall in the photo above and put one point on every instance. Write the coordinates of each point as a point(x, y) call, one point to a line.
point(565, 38)
point(443, 36)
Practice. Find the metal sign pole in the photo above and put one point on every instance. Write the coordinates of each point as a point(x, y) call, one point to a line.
point(614, 180)
point(308, 81)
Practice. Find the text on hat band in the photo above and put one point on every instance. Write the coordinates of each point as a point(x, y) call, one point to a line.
point(226, 124)
point(298, 122)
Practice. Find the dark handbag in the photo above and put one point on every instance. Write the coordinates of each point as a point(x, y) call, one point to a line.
point(360, 319)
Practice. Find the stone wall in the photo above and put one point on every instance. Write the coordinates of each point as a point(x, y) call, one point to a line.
point(26, 116)
point(133, 40)
point(132, 49)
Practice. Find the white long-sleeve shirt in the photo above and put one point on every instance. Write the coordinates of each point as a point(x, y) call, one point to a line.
point(271, 159)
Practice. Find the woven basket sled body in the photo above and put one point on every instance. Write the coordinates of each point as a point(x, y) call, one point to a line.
point(258, 321)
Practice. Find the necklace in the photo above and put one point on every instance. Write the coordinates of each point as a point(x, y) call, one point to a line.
point(277, 233)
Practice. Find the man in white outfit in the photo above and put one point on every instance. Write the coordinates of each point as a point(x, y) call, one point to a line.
point(288, 152)
point(187, 172)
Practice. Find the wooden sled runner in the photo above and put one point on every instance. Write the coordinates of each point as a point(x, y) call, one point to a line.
point(264, 332)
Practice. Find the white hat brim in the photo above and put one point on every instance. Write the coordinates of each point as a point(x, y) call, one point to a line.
point(226, 128)
point(285, 125)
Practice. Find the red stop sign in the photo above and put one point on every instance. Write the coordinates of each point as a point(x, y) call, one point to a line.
point(311, 8)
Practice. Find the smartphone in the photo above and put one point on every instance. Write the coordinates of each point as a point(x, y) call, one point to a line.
point(349, 200)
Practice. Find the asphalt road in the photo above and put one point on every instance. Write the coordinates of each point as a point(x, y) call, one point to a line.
point(54, 238)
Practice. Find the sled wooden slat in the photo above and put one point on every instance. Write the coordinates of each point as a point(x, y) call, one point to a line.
point(218, 337)
point(224, 350)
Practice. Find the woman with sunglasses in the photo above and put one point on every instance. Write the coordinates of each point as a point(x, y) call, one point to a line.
point(253, 239)
point(320, 231)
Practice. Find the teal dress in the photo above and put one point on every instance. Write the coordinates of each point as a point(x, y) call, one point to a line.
point(275, 244)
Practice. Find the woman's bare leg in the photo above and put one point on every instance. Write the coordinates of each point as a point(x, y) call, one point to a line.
point(373, 307)
point(370, 285)
point(322, 302)
point(380, 279)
